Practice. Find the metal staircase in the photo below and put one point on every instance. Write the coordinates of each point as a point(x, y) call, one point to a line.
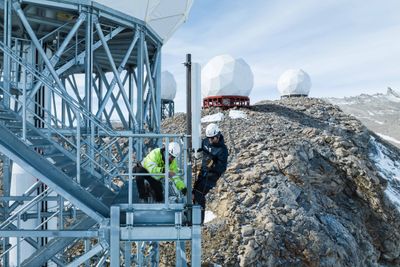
point(62, 134)
point(53, 167)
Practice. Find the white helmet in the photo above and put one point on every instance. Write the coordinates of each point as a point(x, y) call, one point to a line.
point(212, 130)
point(174, 149)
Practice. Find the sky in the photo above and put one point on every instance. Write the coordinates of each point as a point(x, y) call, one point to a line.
point(348, 47)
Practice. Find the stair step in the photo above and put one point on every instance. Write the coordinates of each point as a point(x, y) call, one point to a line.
point(57, 161)
point(96, 190)
point(7, 116)
point(39, 142)
point(59, 158)
point(14, 124)
point(65, 164)
point(108, 196)
point(70, 171)
point(52, 153)
point(42, 145)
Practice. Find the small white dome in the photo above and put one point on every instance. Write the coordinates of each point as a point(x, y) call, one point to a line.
point(294, 82)
point(223, 75)
point(168, 85)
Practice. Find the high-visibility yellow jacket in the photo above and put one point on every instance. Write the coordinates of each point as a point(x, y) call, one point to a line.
point(154, 163)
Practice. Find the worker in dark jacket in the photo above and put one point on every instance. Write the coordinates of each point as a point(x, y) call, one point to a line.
point(213, 165)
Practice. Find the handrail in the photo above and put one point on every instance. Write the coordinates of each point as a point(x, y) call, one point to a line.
point(76, 108)
point(26, 207)
point(49, 83)
point(55, 130)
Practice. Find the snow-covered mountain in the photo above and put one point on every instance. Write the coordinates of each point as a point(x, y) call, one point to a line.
point(379, 112)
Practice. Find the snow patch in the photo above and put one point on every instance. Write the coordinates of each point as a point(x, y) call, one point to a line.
point(393, 98)
point(213, 118)
point(378, 122)
point(393, 195)
point(237, 114)
point(388, 138)
point(389, 170)
point(370, 113)
point(209, 216)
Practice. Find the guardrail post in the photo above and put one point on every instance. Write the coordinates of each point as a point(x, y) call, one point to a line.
point(114, 236)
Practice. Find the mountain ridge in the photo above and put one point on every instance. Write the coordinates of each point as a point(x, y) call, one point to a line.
point(379, 112)
point(303, 187)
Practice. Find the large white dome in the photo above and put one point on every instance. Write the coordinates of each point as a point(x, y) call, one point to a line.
point(294, 82)
point(163, 16)
point(168, 85)
point(223, 75)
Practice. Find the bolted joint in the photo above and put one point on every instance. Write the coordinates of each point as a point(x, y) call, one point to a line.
point(104, 233)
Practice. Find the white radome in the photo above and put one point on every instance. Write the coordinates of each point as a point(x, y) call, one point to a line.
point(163, 16)
point(294, 82)
point(223, 76)
point(168, 85)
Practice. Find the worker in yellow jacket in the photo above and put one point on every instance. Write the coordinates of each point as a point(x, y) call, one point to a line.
point(154, 163)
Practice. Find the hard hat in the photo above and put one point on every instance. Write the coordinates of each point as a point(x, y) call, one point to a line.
point(212, 130)
point(174, 149)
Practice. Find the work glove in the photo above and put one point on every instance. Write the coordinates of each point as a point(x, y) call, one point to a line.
point(180, 185)
point(184, 191)
point(198, 154)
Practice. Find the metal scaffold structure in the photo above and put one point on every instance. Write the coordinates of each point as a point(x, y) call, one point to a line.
point(80, 106)
point(167, 108)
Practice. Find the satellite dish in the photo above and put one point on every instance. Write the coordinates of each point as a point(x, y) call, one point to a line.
point(168, 86)
point(163, 16)
point(294, 82)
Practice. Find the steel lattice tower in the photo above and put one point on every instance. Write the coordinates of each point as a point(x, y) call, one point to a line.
point(79, 106)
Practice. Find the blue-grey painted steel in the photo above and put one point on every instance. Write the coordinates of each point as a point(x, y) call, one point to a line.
point(180, 254)
point(6, 59)
point(54, 246)
point(49, 233)
point(85, 257)
point(43, 170)
point(114, 236)
point(140, 82)
point(157, 78)
point(81, 56)
point(125, 43)
point(196, 236)
point(156, 233)
point(120, 69)
point(113, 67)
point(56, 57)
point(127, 256)
point(35, 41)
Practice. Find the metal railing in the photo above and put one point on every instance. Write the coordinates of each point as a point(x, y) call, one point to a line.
point(88, 152)
point(94, 146)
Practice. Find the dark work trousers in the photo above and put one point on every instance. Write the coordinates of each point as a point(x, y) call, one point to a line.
point(155, 185)
point(202, 186)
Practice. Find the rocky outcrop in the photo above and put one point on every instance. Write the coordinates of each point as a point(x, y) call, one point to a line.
point(300, 190)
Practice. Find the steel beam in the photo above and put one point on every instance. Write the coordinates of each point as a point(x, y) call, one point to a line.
point(120, 69)
point(7, 34)
point(156, 233)
point(196, 236)
point(95, 250)
point(81, 56)
point(114, 236)
point(56, 57)
point(114, 69)
point(49, 233)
